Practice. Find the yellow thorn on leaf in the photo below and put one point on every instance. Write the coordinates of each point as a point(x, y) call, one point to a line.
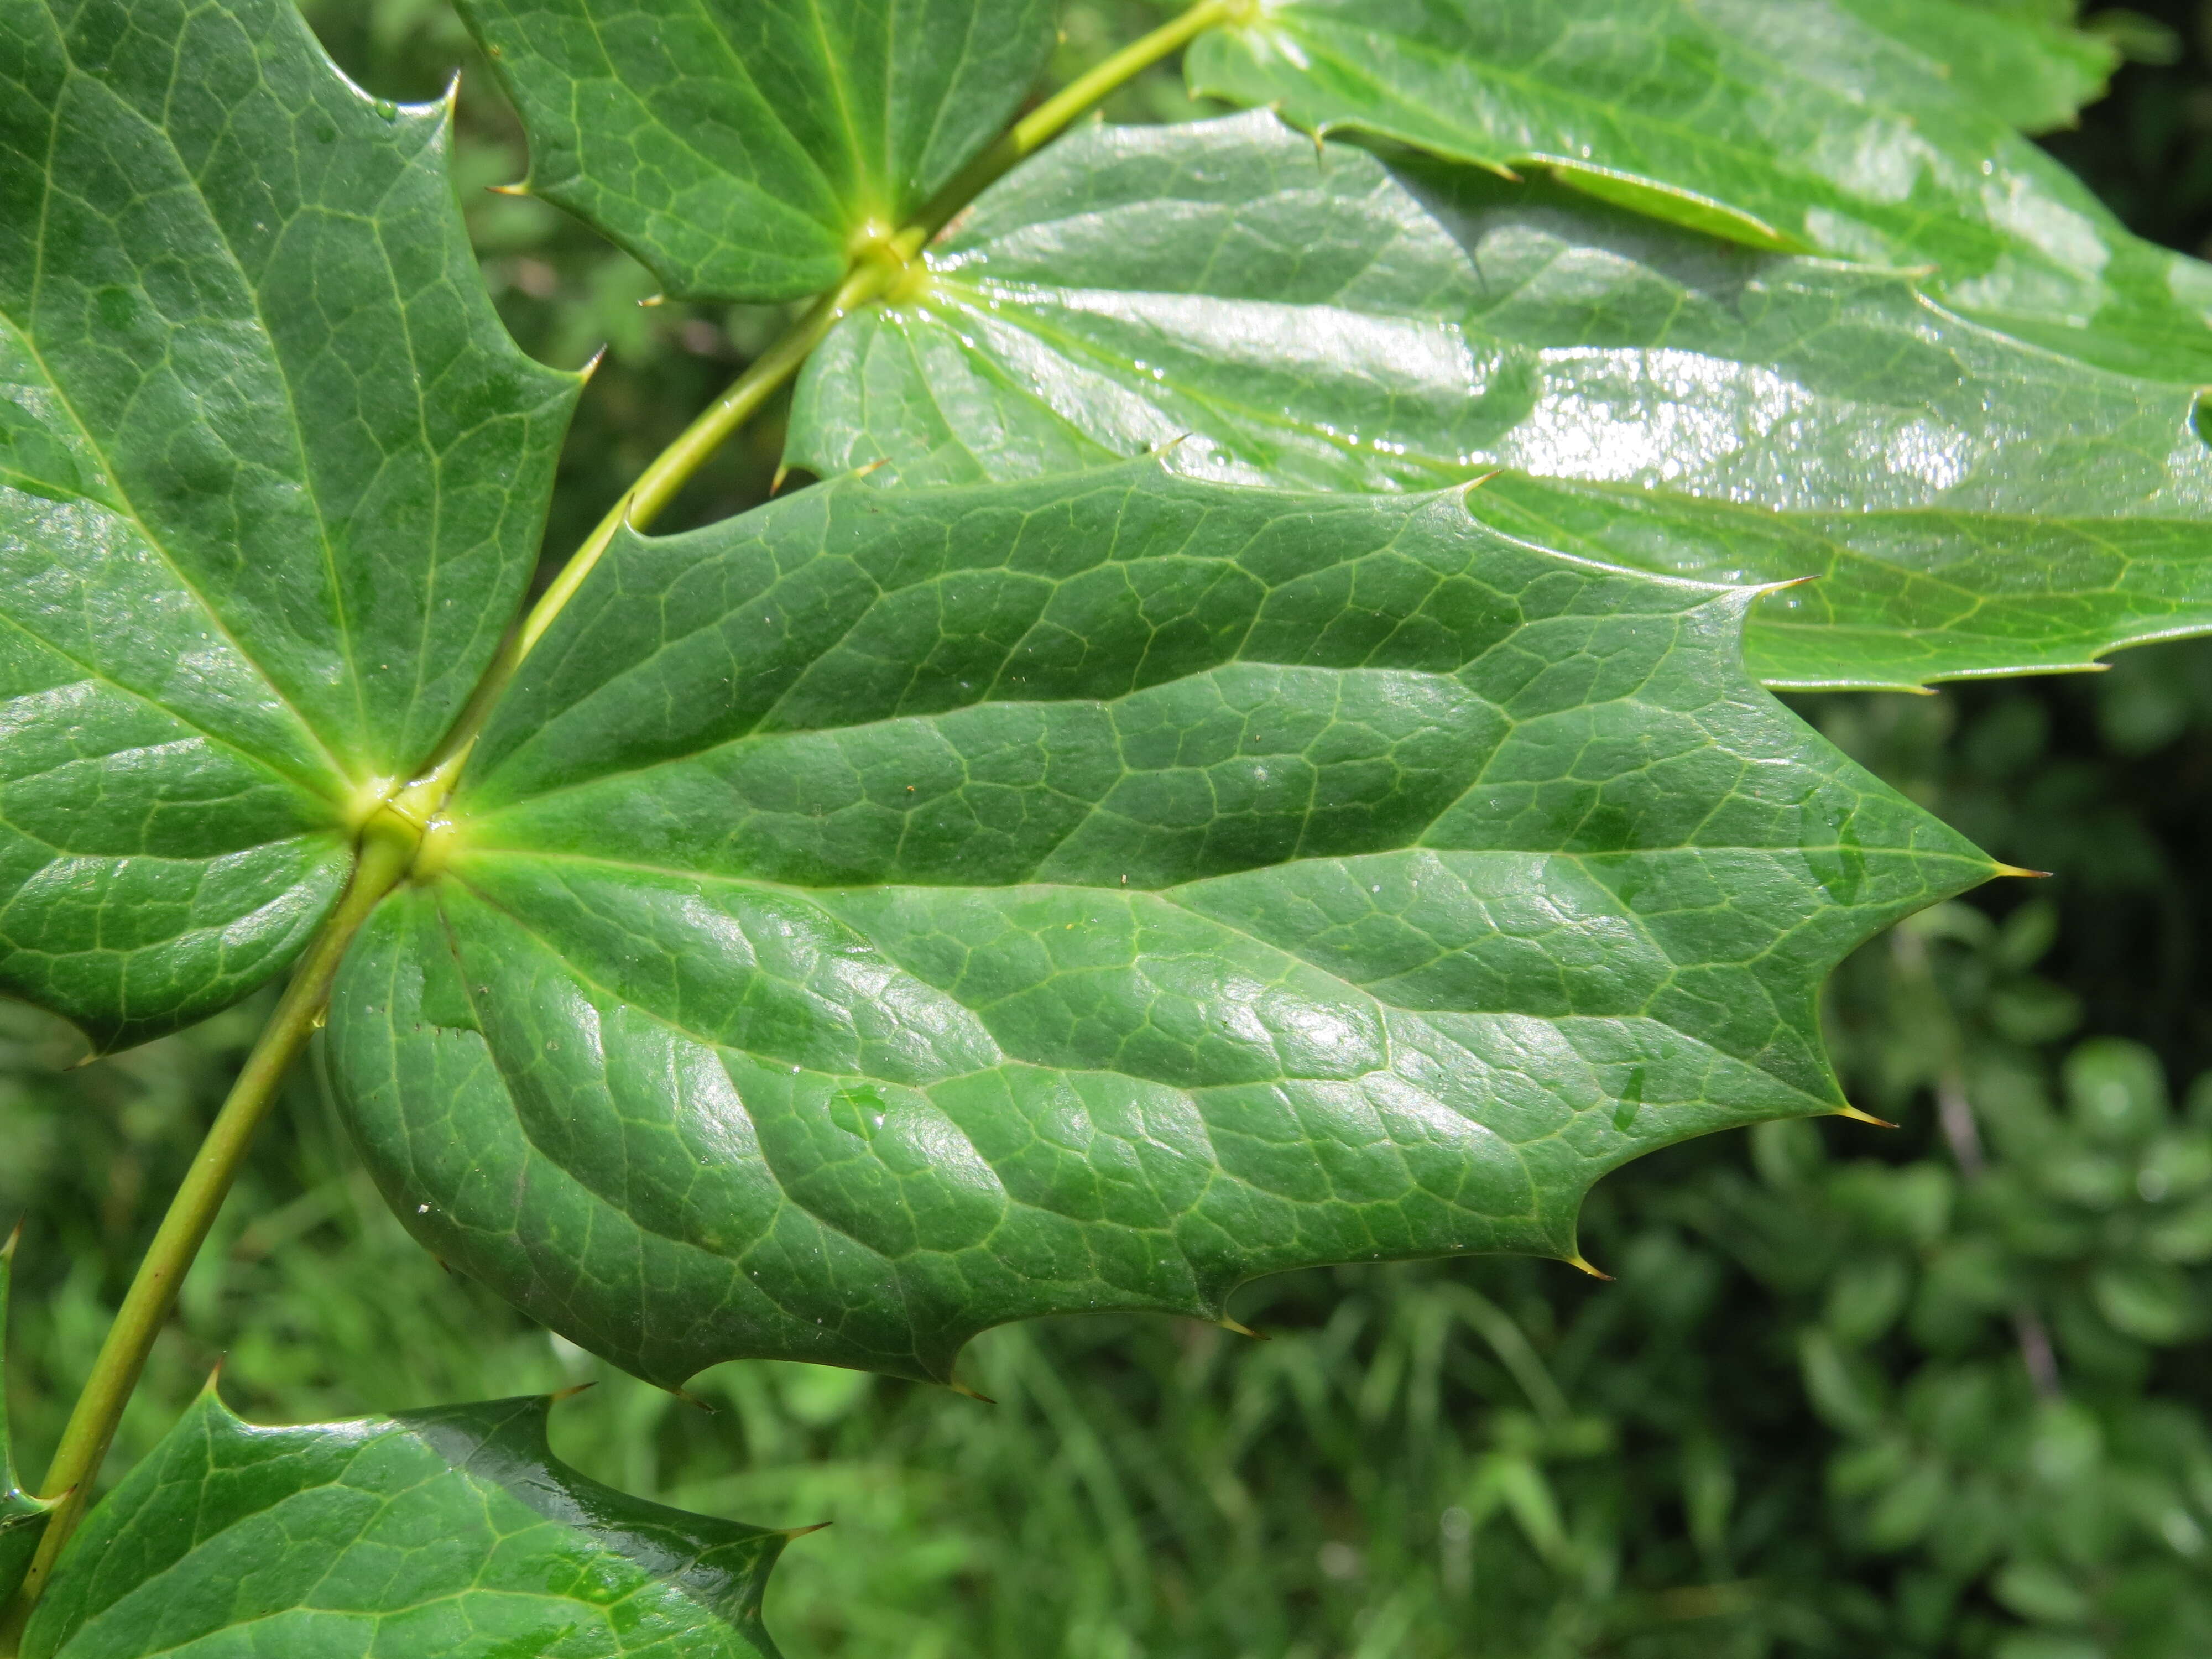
point(1858, 1116)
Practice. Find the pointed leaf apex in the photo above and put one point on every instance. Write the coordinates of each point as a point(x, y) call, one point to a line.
point(2030, 875)
point(1581, 1264)
point(8, 1248)
point(963, 1388)
point(1858, 1116)
point(693, 1401)
point(1228, 1324)
point(776, 484)
point(520, 187)
point(570, 1392)
point(791, 1533)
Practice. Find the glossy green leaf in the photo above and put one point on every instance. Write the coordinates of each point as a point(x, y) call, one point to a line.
point(453, 1533)
point(2024, 65)
point(745, 148)
point(271, 477)
point(1788, 125)
point(1266, 313)
point(896, 912)
point(22, 1517)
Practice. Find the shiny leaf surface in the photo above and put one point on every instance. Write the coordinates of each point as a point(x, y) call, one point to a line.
point(1265, 313)
point(745, 148)
point(896, 912)
point(453, 1533)
point(1788, 125)
point(271, 477)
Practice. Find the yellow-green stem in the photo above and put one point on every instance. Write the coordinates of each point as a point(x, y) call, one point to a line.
point(387, 845)
point(1044, 122)
point(644, 501)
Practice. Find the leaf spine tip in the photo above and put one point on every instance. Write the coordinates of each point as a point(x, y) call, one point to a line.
point(790, 1533)
point(520, 187)
point(1763, 588)
point(1581, 1264)
point(1242, 1329)
point(1858, 1116)
point(782, 472)
point(693, 1401)
point(590, 369)
point(2029, 875)
point(960, 1387)
point(570, 1392)
point(15, 1238)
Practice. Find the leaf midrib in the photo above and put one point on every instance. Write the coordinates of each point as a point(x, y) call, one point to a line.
point(811, 896)
point(295, 426)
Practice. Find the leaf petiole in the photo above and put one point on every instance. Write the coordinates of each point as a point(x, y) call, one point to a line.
point(1045, 122)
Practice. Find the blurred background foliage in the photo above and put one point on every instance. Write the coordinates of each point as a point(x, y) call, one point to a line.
point(1942, 1390)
